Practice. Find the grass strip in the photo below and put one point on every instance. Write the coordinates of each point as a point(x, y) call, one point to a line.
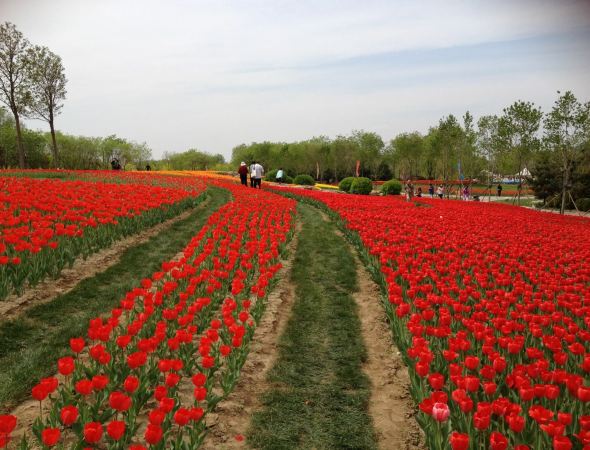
point(319, 395)
point(30, 345)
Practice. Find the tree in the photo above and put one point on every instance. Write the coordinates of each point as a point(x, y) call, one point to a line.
point(446, 142)
point(14, 90)
point(567, 130)
point(407, 149)
point(487, 142)
point(518, 134)
point(48, 89)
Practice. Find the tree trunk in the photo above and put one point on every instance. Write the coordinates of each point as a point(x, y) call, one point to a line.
point(564, 189)
point(19, 142)
point(53, 144)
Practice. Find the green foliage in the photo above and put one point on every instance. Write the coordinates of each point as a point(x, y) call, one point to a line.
point(518, 134)
point(361, 185)
point(34, 144)
point(345, 184)
point(546, 178)
point(192, 159)
point(583, 204)
point(305, 180)
point(391, 187)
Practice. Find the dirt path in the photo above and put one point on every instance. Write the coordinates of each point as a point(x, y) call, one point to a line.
point(49, 289)
point(231, 419)
point(391, 405)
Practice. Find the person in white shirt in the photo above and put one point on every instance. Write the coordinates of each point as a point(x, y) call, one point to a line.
point(252, 174)
point(256, 174)
point(280, 175)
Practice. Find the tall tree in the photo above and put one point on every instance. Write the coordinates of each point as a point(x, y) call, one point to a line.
point(48, 89)
point(407, 149)
point(567, 130)
point(518, 130)
point(14, 89)
point(446, 142)
point(487, 142)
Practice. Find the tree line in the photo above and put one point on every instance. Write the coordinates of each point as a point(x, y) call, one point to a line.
point(519, 143)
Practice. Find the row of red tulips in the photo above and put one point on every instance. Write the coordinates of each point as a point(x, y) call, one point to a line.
point(46, 223)
point(490, 305)
point(148, 373)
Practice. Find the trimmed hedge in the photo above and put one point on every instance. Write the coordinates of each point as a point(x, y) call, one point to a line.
point(391, 187)
point(345, 184)
point(361, 185)
point(304, 180)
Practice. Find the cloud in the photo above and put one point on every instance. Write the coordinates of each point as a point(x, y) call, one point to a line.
point(212, 74)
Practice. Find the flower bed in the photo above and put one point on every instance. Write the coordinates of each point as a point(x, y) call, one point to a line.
point(148, 373)
point(46, 223)
point(490, 306)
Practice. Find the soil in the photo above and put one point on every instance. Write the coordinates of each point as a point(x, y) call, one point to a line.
point(228, 424)
point(391, 405)
point(49, 289)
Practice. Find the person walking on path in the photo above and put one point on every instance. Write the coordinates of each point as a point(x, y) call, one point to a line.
point(440, 191)
point(279, 176)
point(256, 174)
point(431, 190)
point(499, 190)
point(252, 173)
point(243, 171)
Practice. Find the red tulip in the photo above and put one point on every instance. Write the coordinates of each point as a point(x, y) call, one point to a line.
point(65, 365)
point(119, 401)
point(68, 415)
point(99, 382)
point(498, 441)
point(50, 436)
point(116, 429)
point(182, 416)
point(92, 432)
point(153, 434)
point(562, 443)
point(83, 387)
point(459, 441)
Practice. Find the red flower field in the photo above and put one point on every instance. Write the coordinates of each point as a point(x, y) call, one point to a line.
point(491, 306)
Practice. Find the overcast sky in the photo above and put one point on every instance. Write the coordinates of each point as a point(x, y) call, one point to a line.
point(183, 74)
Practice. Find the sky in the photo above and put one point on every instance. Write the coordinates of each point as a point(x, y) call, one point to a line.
point(211, 75)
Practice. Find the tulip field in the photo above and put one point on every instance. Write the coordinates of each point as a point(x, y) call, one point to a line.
point(489, 305)
point(47, 223)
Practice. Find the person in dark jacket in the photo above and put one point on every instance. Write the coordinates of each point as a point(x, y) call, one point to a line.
point(243, 171)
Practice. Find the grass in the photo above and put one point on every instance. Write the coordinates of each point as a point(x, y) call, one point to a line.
point(31, 344)
point(524, 201)
point(319, 394)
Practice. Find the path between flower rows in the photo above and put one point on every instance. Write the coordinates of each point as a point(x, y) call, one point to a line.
point(13, 306)
point(322, 372)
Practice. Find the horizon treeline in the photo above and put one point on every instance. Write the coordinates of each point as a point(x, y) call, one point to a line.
point(455, 148)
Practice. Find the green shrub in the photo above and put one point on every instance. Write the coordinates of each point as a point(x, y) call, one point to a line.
point(271, 176)
point(303, 179)
point(345, 184)
point(583, 204)
point(287, 179)
point(391, 187)
point(361, 185)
